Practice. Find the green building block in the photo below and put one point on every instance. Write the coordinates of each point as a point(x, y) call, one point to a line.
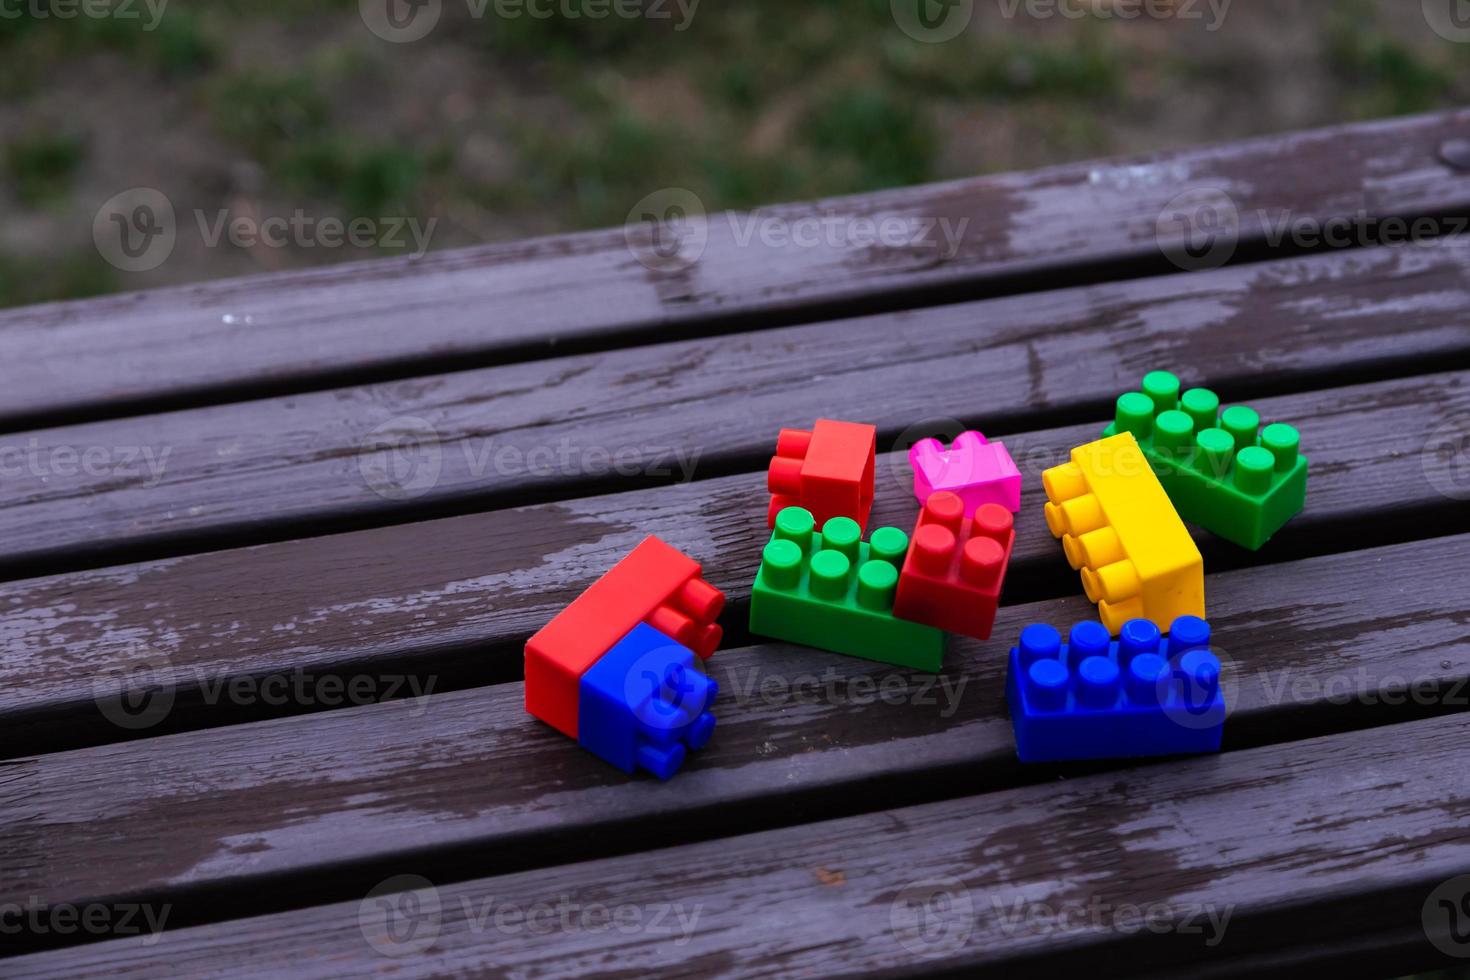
point(1221, 470)
point(833, 590)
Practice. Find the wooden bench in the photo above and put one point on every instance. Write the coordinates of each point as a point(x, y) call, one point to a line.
point(260, 663)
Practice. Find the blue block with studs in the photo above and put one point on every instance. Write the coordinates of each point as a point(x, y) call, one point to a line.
point(1094, 697)
point(645, 704)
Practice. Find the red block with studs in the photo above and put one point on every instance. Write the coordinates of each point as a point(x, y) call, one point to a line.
point(955, 567)
point(655, 584)
point(828, 470)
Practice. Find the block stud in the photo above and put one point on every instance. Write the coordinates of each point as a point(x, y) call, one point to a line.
point(1202, 406)
point(700, 730)
point(1138, 636)
point(1083, 514)
point(1063, 482)
point(1174, 432)
point(700, 600)
point(980, 563)
point(829, 574)
point(1199, 677)
point(1162, 388)
point(1135, 414)
point(1091, 587)
point(708, 640)
point(1046, 685)
point(1087, 639)
point(1283, 442)
point(1100, 547)
point(933, 549)
point(674, 624)
point(888, 544)
point(1213, 451)
point(1188, 633)
point(796, 524)
point(1241, 422)
point(877, 583)
point(1115, 615)
point(1118, 582)
point(1148, 679)
point(793, 443)
point(1039, 642)
point(1253, 470)
point(1095, 682)
point(946, 508)
point(663, 763)
point(781, 563)
point(842, 534)
point(992, 521)
point(784, 476)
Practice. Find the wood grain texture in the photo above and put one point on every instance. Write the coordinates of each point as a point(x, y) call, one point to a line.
point(1333, 838)
point(468, 783)
point(399, 600)
point(1077, 222)
point(239, 473)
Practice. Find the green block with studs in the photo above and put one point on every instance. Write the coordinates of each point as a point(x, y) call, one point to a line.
point(1221, 470)
point(832, 590)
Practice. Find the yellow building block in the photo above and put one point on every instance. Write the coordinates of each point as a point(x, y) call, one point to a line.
point(1118, 526)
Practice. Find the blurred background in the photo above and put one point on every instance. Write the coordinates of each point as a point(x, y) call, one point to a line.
point(446, 123)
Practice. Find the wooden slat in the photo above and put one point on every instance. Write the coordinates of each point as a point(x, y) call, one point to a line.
point(1078, 222)
point(468, 783)
point(234, 474)
point(1292, 845)
point(458, 596)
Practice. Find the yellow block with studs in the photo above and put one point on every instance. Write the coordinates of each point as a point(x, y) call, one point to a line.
point(1118, 526)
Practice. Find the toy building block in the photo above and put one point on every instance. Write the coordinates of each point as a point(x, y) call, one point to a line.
point(952, 577)
point(1097, 698)
point(1118, 527)
point(645, 704)
point(654, 584)
point(980, 472)
point(1221, 469)
point(828, 471)
point(830, 589)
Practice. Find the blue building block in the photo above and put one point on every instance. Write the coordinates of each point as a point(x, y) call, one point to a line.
point(1098, 698)
point(645, 703)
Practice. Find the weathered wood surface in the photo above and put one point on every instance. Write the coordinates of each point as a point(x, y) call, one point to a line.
point(456, 597)
point(299, 465)
point(1074, 223)
point(468, 783)
point(1316, 841)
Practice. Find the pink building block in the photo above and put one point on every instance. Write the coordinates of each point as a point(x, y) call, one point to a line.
point(979, 472)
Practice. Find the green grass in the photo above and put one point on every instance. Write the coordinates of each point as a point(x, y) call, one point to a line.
point(40, 166)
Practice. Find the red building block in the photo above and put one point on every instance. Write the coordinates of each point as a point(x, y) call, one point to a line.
point(654, 584)
point(828, 470)
point(955, 567)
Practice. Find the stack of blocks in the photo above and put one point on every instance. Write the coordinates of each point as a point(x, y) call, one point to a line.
point(619, 669)
point(616, 669)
